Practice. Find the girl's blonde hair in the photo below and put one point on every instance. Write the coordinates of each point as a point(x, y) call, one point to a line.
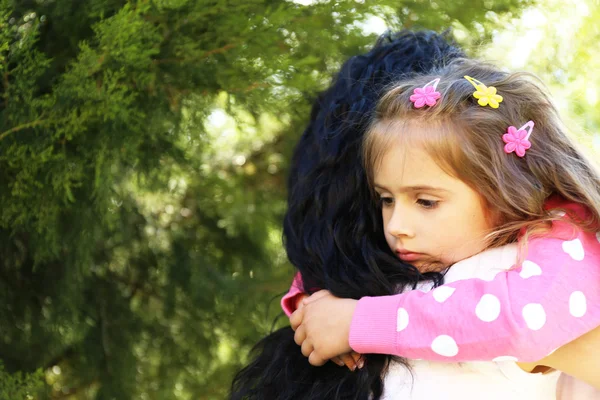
point(465, 139)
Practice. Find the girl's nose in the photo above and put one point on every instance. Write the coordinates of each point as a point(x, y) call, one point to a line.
point(399, 224)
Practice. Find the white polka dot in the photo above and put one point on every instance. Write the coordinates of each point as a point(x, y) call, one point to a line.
point(598, 236)
point(574, 248)
point(488, 308)
point(445, 346)
point(557, 213)
point(505, 358)
point(442, 293)
point(577, 304)
point(530, 269)
point(535, 316)
point(402, 321)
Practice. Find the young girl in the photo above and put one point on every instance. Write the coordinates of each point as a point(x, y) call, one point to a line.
point(464, 160)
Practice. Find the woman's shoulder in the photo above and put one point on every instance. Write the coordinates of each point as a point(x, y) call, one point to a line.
point(571, 232)
point(469, 380)
point(560, 206)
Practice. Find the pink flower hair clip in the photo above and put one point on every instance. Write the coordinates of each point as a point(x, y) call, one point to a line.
point(426, 95)
point(517, 139)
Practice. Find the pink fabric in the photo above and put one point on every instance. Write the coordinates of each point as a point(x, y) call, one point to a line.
point(549, 301)
point(288, 302)
point(523, 314)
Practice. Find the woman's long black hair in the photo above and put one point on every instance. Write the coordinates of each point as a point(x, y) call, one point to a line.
point(333, 233)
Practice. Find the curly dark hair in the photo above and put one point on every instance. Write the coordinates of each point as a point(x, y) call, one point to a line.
point(332, 232)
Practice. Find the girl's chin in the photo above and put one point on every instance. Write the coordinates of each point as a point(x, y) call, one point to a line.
point(429, 266)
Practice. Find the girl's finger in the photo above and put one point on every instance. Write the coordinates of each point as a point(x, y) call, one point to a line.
point(348, 361)
point(296, 318)
point(338, 361)
point(300, 335)
point(359, 359)
point(306, 348)
point(315, 360)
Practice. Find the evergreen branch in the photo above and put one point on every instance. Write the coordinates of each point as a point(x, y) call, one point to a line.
point(218, 51)
point(21, 127)
point(249, 88)
point(201, 57)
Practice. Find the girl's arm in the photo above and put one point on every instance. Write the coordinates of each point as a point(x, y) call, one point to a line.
point(579, 362)
point(522, 314)
point(579, 358)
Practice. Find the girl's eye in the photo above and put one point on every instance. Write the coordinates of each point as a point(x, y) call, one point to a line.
point(428, 204)
point(385, 201)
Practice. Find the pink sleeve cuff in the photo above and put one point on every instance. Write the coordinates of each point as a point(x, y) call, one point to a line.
point(288, 302)
point(372, 330)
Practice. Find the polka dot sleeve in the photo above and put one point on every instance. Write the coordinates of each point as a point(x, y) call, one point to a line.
point(522, 314)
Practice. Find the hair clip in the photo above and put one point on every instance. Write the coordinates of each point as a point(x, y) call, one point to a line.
point(517, 139)
point(426, 95)
point(485, 95)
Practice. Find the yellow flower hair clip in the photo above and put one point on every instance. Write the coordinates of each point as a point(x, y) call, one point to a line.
point(485, 95)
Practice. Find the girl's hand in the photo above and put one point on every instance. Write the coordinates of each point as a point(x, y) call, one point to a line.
point(299, 301)
point(351, 360)
point(322, 326)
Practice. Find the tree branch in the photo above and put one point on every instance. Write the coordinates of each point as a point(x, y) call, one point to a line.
point(201, 57)
point(21, 127)
point(136, 287)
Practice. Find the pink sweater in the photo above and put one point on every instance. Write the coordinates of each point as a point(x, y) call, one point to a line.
point(522, 314)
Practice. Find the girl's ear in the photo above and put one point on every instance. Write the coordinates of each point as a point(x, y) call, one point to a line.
point(496, 217)
point(493, 215)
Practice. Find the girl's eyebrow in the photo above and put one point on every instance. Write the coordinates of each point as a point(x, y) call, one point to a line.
point(418, 188)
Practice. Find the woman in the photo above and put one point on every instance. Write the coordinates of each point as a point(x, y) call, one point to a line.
point(330, 212)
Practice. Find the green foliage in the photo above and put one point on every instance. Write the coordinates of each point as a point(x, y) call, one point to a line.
point(143, 152)
point(19, 386)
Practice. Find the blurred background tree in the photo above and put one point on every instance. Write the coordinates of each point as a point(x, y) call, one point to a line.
point(143, 153)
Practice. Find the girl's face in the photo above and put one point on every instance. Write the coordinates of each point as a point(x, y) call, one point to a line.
point(431, 219)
